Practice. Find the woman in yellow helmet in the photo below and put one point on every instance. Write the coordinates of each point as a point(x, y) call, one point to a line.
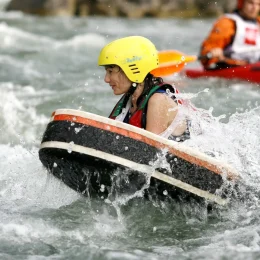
point(147, 102)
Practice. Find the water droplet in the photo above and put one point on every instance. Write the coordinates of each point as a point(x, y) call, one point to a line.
point(70, 147)
point(102, 188)
point(77, 130)
point(107, 201)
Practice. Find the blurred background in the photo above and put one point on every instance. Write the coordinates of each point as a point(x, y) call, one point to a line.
point(124, 8)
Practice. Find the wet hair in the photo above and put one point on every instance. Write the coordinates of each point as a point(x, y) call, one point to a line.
point(149, 82)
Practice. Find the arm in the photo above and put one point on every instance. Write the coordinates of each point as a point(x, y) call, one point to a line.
point(220, 37)
point(160, 113)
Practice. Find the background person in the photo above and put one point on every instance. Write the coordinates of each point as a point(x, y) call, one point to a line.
point(239, 29)
point(147, 101)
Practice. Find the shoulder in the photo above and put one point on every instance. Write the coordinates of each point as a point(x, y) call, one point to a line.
point(157, 102)
point(223, 26)
point(161, 101)
point(157, 97)
point(224, 21)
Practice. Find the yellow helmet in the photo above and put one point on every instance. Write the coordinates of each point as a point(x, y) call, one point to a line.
point(135, 55)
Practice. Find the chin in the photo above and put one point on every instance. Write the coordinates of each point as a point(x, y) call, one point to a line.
point(118, 92)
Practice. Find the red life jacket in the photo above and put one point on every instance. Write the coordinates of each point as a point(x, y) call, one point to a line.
point(138, 119)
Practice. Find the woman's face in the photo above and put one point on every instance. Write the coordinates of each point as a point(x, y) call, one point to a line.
point(117, 79)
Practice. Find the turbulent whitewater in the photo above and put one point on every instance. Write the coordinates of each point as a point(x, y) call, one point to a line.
point(51, 63)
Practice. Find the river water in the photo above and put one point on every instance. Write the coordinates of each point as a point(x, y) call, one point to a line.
point(51, 63)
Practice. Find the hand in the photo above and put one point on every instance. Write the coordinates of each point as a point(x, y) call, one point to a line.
point(217, 53)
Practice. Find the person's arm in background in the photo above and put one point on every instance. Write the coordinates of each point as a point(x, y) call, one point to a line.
point(220, 37)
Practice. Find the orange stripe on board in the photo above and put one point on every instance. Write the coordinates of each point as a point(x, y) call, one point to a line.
point(138, 137)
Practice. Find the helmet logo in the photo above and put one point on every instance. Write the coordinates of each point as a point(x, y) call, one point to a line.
point(135, 58)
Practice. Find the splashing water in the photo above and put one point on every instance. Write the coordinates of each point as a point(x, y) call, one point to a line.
point(45, 64)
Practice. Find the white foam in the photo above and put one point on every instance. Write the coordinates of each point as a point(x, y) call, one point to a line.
point(13, 37)
point(25, 183)
point(84, 40)
point(27, 68)
point(19, 120)
point(236, 142)
point(3, 3)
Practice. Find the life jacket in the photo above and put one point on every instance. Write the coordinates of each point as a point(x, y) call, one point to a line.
point(247, 35)
point(138, 119)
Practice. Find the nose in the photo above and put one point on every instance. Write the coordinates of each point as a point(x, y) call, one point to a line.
point(107, 77)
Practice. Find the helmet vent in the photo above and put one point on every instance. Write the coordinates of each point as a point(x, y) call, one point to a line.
point(134, 68)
